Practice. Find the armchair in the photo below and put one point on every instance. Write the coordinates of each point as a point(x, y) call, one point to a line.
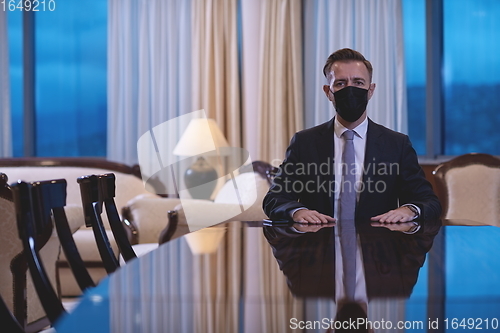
point(469, 188)
point(240, 200)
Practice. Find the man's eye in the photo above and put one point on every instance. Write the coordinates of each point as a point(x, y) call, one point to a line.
point(339, 84)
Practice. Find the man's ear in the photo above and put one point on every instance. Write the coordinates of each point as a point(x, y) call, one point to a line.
point(371, 90)
point(328, 93)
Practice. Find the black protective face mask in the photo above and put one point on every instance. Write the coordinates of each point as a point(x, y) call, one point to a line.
point(350, 102)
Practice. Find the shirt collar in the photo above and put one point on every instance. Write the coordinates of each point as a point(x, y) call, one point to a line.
point(359, 131)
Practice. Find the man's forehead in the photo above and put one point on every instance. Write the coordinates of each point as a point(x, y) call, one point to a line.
point(349, 69)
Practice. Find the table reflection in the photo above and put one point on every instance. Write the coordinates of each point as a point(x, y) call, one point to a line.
point(388, 263)
point(391, 260)
point(277, 279)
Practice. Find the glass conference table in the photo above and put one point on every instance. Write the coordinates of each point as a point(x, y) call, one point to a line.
point(250, 277)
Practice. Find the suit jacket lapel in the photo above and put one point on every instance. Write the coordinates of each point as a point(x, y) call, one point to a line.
point(325, 153)
point(372, 151)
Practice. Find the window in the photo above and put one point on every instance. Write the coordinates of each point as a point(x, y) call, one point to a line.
point(16, 80)
point(471, 75)
point(70, 79)
point(414, 36)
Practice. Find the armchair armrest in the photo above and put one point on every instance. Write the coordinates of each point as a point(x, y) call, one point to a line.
point(129, 225)
point(148, 216)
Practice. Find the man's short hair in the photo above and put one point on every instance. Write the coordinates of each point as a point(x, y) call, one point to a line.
point(346, 55)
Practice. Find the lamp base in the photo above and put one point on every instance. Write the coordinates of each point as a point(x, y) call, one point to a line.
point(200, 179)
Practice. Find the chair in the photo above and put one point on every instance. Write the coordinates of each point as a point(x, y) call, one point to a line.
point(50, 197)
point(16, 285)
point(167, 233)
point(129, 183)
point(264, 169)
point(98, 191)
point(36, 203)
point(253, 177)
point(469, 189)
point(30, 228)
point(7, 320)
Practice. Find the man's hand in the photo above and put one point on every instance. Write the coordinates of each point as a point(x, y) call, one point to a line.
point(311, 216)
point(401, 214)
point(312, 227)
point(403, 227)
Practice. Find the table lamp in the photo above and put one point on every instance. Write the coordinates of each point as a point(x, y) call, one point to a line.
point(201, 137)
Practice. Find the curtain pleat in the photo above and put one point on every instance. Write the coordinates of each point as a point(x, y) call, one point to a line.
point(280, 111)
point(372, 27)
point(170, 271)
point(217, 306)
point(215, 75)
point(5, 117)
point(149, 70)
point(215, 88)
point(268, 302)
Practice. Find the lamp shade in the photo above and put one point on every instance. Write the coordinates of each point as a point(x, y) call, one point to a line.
point(202, 135)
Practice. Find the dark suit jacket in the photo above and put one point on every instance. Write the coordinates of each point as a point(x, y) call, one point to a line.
point(391, 176)
point(391, 260)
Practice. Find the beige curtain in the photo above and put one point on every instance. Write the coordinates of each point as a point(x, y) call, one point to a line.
point(280, 96)
point(215, 293)
point(216, 88)
point(269, 304)
point(215, 78)
point(165, 276)
point(149, 72)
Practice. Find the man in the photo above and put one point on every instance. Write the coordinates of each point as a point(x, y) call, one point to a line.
point(388, 182)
